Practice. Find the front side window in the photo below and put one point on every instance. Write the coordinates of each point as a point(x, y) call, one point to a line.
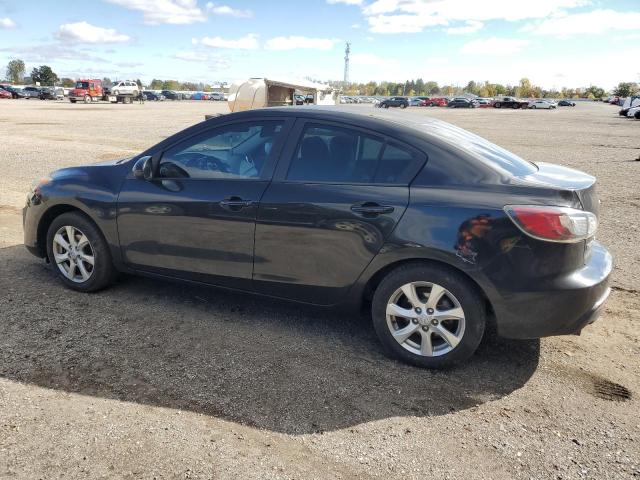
point(238, 151)
point(331, 154)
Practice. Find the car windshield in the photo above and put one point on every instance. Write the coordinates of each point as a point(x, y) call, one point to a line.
point(82, 85)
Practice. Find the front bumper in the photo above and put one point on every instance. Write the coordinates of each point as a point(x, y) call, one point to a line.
point(559, 306)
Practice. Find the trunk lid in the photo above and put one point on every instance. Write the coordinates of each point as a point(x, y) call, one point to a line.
point(568, 179)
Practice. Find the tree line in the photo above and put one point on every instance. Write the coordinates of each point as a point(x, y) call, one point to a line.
point(16, 70)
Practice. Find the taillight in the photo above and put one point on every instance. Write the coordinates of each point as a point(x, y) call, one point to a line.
point(553, 224)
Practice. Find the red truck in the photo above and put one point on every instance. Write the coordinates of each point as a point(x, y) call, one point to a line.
point(91, 90)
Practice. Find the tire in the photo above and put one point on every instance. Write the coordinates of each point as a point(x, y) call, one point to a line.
point(515, 106)
point(403, 105)
point(533, 107)
point(72, 101)
point(115, 92)
point(101, 274)
point(385, 106)
point(497, 105)
point(459, 292)
point(87, 99)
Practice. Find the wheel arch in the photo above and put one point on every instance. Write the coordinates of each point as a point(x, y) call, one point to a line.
point(49, 216)
point(374, 280)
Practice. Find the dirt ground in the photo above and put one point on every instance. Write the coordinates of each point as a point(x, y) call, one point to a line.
point(157, 380)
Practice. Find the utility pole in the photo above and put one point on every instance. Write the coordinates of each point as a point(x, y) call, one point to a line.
point(347, 50)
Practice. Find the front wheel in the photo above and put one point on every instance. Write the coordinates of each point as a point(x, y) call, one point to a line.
point(87, 99)
point(79, 253)
point(515, 106)
point(498, 105)
point(385, 106)
point(533, 107)
point(428, 315)
point(403, 105)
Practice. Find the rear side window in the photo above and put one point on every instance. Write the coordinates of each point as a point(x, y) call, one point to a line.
point(332, 154)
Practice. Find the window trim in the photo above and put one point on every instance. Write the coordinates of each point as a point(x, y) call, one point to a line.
point(296, 134)
point(270, 164)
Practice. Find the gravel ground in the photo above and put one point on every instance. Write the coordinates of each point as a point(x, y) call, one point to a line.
point(157, 380)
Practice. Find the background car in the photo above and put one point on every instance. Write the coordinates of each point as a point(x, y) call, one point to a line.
point(402, 102)
point(415, 101)
point(152, 96)
point(5, 94)
point(510, 102)
point(542, 104)
point(217, 96)
point(15, 91)
point(171, 95)
point(566, 103)
point(199, 96)
point(462, 103)
point(436, 102)
point(126, 87)
point(483, 102)
point(31, 92)
point(51, 93)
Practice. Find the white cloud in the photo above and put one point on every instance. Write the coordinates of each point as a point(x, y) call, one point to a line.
point(411, 16)
point(6, 22)
point(155, 12)
point(84, 32)
point(229, 11)
point(471, 26)
point(346, 2)
point(591, 23)
point(494, 46)
point(293, 43)
point(248, 42)
point(214, 61)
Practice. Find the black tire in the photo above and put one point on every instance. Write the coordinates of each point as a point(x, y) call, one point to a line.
point(384, 105)
point(104, 273)
point(497, 105)
point(467, 294)
point(87, 99)
point(515, 106)
point(72, 101)
point(403, 105)
point(533, 107)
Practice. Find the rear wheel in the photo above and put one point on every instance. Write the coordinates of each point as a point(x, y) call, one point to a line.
point(72, 100)
point(79, 253)
point(403, 105)
point(515, 106)
point(429, 316)
point(533, 107)
point(498, 105)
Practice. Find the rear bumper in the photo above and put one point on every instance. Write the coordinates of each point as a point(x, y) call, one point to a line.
point(560, 306)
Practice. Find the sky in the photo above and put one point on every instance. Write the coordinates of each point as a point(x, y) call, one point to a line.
point(554, 43)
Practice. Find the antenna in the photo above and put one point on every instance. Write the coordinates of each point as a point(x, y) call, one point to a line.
point(347, 50)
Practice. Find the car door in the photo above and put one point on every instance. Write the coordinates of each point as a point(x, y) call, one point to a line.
point(338, 193)
point(196, 218)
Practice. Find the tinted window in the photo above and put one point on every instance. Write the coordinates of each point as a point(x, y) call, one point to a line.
point(341, 155)
point(237, 151)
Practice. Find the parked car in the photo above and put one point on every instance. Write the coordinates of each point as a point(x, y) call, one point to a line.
point(199, 96)
point(634, 112)
point(628, 103)
point(436, 102)
point(171, 95)
point(31, 92)
point(462, 103)
point(126, 87)
point(300, 99)
point(5, 94)
point(15, 91)
point(415, 101)
point(402, 102)
point(537, 104)
point(217, 96)
point(152, 96)
point(323, 215)
point(566, 103)
point(510, 102)
point(51, 93)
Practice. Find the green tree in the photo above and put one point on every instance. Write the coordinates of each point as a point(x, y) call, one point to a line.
point(44, 75)
point(156, 84)
point(625, 89)
point(16, 71)
point(107, 83)
point(67, 82)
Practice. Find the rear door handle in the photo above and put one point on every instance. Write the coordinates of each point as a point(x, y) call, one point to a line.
point(371, 209)
point(235, 203)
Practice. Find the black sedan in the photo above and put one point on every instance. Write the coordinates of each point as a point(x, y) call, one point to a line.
point(566, 103)
point(437, 230)
point(462, 103)
point(152, 96)
point(402, 102)
point(171, 95)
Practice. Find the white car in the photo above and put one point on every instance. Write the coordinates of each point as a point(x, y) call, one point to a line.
point(126, 87)
point(542, 104)
point(634, 112)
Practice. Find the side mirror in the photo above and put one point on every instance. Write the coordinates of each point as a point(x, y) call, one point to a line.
point(143, 168)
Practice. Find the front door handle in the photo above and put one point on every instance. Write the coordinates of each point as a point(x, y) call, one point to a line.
point(370, 208)
point(235, 203)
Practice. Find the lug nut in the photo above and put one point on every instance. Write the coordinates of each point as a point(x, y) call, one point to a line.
point(414, 320)
point(434, 322)
point(430, 311)
point(418, 310)
point(425, 328)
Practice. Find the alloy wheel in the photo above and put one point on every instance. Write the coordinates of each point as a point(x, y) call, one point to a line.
point(73, 254)
point(425, 318)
